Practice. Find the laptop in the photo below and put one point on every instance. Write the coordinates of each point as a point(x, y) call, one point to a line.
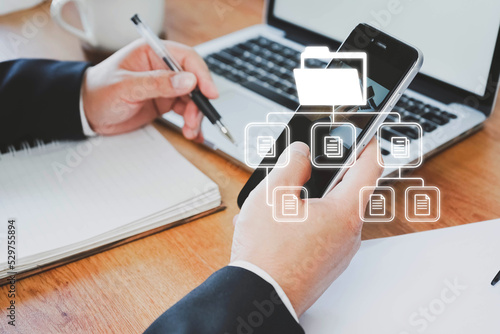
point(452, 96)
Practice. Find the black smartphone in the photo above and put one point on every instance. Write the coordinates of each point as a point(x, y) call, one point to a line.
point(391, 67)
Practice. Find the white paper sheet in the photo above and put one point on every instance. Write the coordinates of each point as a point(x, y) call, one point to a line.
point(430, 282)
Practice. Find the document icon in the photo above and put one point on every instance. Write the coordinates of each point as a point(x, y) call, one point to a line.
point(290, 205)
point(377, 205)
point(265, 147)
point(400, 147)
point(422, 205)
point(333, 147)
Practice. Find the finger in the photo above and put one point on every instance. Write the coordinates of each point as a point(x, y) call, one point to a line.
point(296, 173)
point(198, 122)
point(141, 86)
point(179, 107)
point(166, 105)
point(187, 57)
point(200, 139)
point(192, 116)
point(192, 62)
point(365, 172)
point(191, 127)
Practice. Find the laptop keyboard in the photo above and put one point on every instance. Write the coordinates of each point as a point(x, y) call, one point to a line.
point(266, 68)
point(261, 65)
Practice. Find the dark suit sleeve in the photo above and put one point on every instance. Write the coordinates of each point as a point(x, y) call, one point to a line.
point(39, 99)
point(231, 301)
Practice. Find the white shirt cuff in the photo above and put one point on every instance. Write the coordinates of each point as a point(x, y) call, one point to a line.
point(266, 277)
point(87, 130)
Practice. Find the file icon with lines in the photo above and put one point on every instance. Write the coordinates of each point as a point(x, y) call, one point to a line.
point(265, 147)
point(377, 205)
point(333, 146)
point(400, 147)
point(422, 205)
point(290, 205)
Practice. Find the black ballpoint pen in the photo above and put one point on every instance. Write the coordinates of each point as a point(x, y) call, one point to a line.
point(196, 95)
point(496, 279)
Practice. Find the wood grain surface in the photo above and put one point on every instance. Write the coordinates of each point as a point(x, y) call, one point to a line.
point(124, 289)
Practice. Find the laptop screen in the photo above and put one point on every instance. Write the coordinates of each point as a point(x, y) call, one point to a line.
point(457, 37)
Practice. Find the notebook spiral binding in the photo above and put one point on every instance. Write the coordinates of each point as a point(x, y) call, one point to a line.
point(27, 147)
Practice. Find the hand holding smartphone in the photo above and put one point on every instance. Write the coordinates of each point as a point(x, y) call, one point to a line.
point(392, 65)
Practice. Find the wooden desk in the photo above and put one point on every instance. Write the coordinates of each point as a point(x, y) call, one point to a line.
point(123, 290)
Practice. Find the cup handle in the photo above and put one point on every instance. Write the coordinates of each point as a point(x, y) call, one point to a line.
point(56, 13)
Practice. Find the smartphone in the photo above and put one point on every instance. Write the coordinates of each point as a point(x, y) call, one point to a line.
point(391, 67)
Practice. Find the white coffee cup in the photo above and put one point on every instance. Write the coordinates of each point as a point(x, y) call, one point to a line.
point(11, 6)
point(106, 23)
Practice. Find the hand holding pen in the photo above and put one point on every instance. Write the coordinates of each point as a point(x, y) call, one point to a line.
point(133, 87)
point(196, 95)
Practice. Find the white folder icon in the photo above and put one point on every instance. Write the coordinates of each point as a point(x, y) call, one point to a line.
point(330, 86)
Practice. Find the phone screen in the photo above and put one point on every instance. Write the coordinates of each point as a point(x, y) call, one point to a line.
point(389, 60)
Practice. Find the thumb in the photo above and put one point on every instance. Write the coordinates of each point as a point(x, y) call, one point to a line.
point(298, 170)
point(140, 86)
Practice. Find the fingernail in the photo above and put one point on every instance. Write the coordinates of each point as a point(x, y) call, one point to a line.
point(183, 80)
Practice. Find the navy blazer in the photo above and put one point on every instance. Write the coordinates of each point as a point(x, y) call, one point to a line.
point(39, 99)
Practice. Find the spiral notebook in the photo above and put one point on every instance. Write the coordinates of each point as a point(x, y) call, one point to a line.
point(72, 199)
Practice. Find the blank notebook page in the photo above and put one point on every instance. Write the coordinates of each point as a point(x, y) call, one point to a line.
point(77, 191)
